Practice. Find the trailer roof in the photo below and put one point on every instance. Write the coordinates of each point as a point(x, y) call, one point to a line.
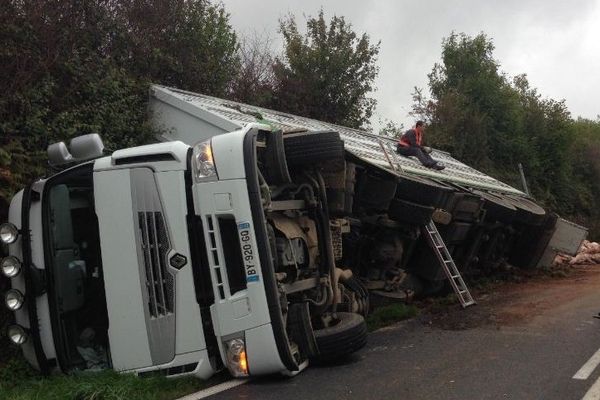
point(375, 149)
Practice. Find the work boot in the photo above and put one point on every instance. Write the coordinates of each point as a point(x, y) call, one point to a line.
point(439, 166)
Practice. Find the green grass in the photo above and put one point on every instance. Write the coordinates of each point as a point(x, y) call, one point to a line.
point(389, 314)
point(19, 382)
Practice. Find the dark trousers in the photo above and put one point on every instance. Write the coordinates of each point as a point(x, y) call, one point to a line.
point(413, 151)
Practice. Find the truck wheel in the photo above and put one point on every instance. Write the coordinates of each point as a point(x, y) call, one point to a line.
point(528, 212)
point(496, 208)
point(456, 232)
point(374, 191)
point(275, 161)
point(423, 191)
point(313, 147)
point(465, 207)
point(348, 335)
point(410, 213)
point(528, 251)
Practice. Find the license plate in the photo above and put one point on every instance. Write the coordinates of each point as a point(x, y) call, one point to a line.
point(245, 232)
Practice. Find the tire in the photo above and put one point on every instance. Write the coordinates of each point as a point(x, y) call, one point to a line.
point(342, 339)
point(528, 212)
point(456, 232)
point(533, 240)
point(465, 207)
point(496, 208)
point(275, 160)
point(423, 191)
point(424, 263)
point(375, 191)
point(410, 213)
point(313, 147)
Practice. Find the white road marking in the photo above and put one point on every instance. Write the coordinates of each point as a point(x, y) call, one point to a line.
point(594, 392)
point(215, 389)
point(589, 367)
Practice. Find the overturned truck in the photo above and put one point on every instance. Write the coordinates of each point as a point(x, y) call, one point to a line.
point(485, 223)
point(246, 239)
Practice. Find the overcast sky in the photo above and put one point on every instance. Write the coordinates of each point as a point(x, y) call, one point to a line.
point(556, 43)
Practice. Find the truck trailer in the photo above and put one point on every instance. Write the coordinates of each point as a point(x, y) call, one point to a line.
point(245, 238)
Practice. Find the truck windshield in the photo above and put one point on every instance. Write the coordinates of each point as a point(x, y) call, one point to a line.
point(76, 286)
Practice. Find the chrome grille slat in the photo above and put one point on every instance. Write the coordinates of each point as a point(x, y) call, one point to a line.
point(159, 265)
point(155, 248)
point(143, 222)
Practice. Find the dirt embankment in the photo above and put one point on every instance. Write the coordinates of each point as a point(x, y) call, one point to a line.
point(512, 303)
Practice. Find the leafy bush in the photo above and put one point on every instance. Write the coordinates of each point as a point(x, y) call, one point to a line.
point(493, 122)
point(74, 67)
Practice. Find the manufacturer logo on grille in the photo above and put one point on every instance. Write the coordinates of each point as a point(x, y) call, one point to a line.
point(178, 261)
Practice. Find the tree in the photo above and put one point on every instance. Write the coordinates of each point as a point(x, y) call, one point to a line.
point(494, 122)
point(473, 104)
point(254, 81)
point(585, 179)
point(547, 129)
point(59, 82)
point(326, 74)
point(74, 67)
point(454, 125)
point(391, 129)
point(188, 44)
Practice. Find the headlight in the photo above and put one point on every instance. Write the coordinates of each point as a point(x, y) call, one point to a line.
point(237, 363)
point(203, 165)
point(8, 233)
point(11, 266)
point(14, 299)
point(17, 334)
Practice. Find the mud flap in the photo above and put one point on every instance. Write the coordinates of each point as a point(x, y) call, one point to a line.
point(301, 330)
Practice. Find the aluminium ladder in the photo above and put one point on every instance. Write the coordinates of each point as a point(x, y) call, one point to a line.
point(443, 255)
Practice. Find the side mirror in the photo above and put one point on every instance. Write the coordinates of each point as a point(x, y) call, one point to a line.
point(87, 147)
point(58, 154)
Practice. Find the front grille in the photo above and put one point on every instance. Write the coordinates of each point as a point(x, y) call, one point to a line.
point(157, 280)
point(155, 247)
point(234, 262)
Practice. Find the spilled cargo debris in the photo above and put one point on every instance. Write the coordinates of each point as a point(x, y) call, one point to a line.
point(588, 254)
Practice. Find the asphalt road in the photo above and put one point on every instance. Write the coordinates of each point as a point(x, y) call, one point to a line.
point(524, 341)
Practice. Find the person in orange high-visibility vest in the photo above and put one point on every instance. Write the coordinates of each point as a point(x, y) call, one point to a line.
point(410, 145)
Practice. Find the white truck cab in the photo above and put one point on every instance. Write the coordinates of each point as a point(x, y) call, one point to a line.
point(176, 258)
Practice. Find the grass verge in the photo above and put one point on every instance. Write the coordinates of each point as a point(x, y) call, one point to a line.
point(389, 314)
point(19, 382)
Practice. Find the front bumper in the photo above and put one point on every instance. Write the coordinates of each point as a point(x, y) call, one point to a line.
point(251, 308)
